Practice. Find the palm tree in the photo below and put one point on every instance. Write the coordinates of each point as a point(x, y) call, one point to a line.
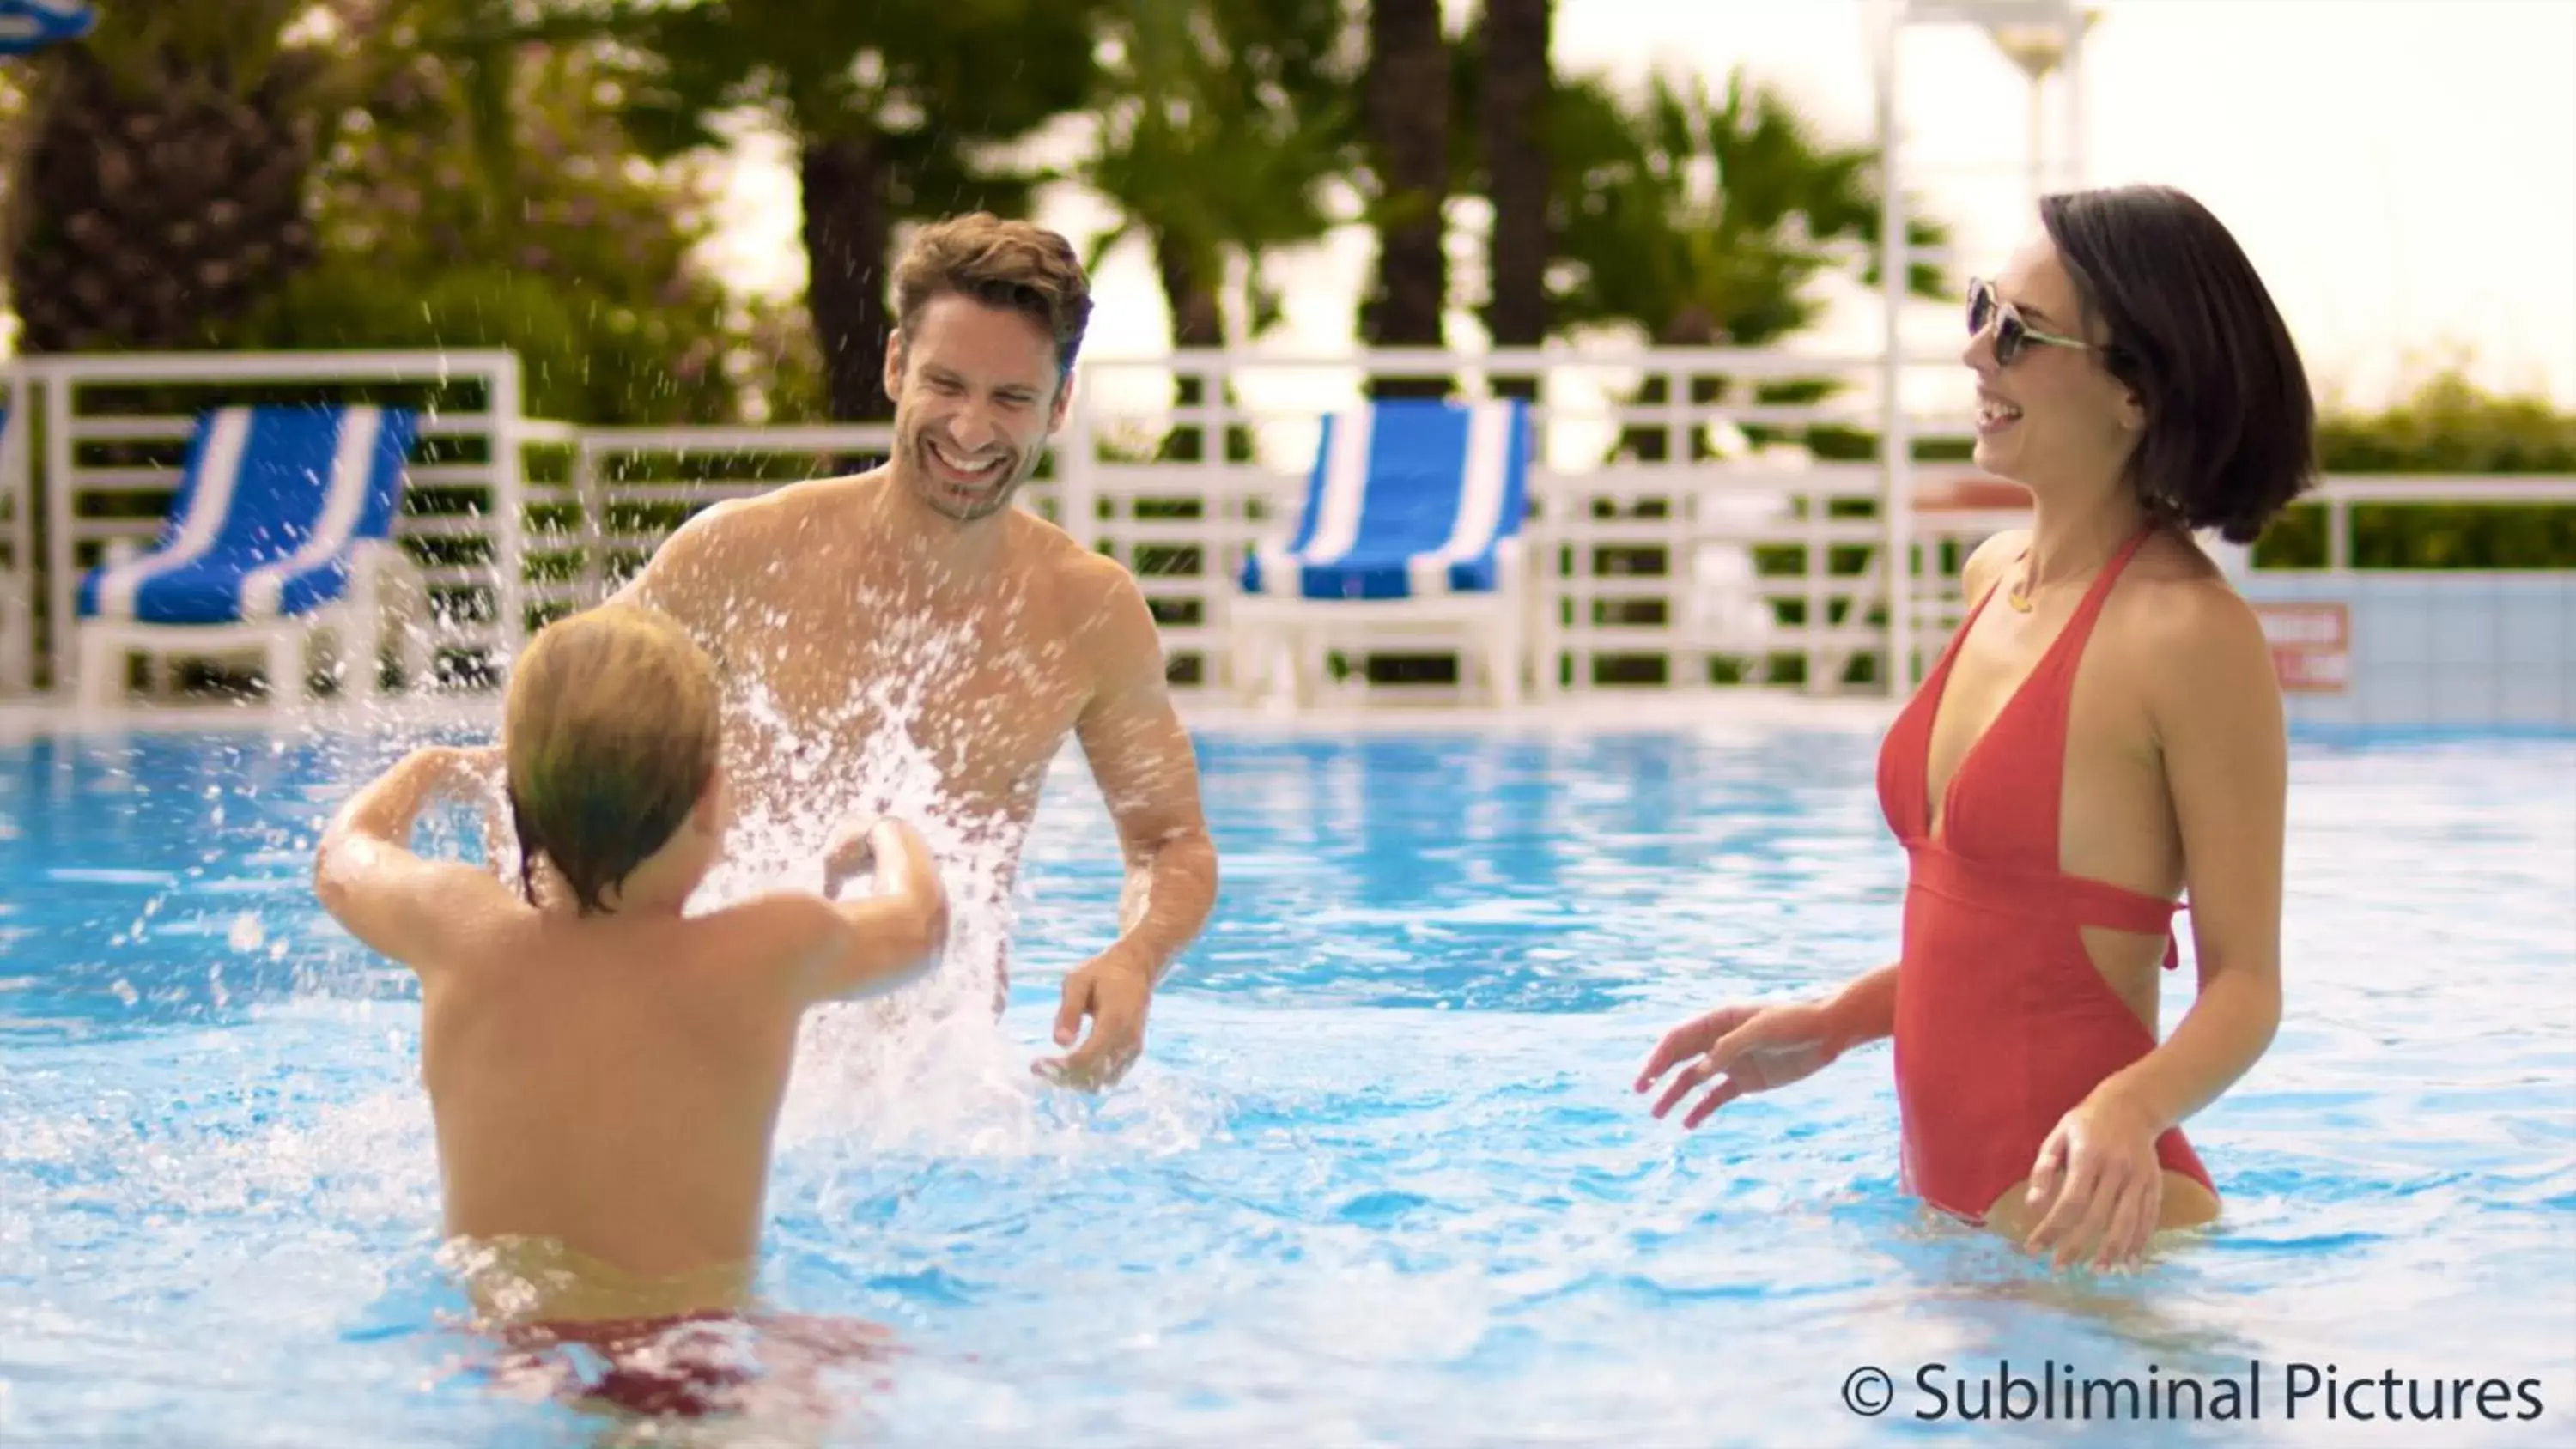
point(1407, 98)
point(1705, 221)
point(1515, 101)
point(1221, 124)
point(162, 167)
point(162, 173)
point(897, 110)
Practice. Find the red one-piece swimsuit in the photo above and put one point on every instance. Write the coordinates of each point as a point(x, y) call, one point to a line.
point(2003, 1023)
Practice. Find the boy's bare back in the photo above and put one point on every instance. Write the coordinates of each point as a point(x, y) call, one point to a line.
point(605, 1069)
point(612, 1083)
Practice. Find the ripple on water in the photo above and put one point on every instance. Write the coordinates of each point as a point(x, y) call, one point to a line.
point(1381, 1178)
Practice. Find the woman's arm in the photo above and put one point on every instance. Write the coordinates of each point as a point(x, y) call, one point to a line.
point(2216, 710)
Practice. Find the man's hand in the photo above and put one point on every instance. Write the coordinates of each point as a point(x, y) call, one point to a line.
point(1115, 990)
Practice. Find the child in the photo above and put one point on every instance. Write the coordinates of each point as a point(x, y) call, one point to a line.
point(604, 1070)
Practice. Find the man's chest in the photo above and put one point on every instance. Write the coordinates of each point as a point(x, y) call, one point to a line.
point(989, 693)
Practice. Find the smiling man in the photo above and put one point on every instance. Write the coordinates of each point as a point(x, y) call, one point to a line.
point(906, 631)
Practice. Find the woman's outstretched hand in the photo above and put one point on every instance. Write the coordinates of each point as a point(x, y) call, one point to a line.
point(1744, 1048)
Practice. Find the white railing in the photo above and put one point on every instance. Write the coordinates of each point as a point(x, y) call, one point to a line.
point(1646, 515)
point(2341, 495)
point(97, 492)
point(18, 572)
point(1669, 548)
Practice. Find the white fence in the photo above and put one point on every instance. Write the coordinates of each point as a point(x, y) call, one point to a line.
point(1678, 545)
point(114, 430)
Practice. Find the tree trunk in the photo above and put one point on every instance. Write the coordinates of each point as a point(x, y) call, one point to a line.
point(1516, 172)
point(849, 229)
point(1694, 326)
point(1407, 101)
point(1198, 325)
point(1198, 319)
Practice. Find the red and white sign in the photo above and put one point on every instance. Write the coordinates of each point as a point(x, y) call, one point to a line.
point(2311, 646)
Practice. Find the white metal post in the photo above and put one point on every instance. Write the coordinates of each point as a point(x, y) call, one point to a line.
point(1077, 500)
point(509, 505)
point(592, 500)
point(2074, 70)
point(18, 493)
point(1896, 497)
point(63, 587)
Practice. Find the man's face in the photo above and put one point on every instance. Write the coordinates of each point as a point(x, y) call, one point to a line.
point(975, 398)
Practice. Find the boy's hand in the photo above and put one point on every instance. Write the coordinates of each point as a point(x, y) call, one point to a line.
point(851, 852)
point(477, 775)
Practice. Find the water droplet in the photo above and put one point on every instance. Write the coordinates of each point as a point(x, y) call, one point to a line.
point(247, 934)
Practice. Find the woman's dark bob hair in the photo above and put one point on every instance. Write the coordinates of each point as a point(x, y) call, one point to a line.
point(2231, 425)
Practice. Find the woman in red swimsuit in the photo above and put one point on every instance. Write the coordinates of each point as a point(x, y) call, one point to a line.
point(2104, 730)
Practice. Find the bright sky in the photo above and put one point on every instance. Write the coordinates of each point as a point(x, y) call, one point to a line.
point(2402, 172)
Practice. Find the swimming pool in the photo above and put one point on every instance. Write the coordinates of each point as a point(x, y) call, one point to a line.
point(1380, 1179)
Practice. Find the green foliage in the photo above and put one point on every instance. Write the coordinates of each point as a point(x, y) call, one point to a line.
point(2447, 426)
point(934, 86)
point(1699, 218)
point(895, 110)
point(581, 363)
point(1221, 127)
point(1707, 219)
point(448, 221)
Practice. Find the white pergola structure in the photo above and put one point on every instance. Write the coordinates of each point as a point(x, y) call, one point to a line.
point(2043, 38)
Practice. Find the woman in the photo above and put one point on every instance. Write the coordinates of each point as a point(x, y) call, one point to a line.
point(2108, 734)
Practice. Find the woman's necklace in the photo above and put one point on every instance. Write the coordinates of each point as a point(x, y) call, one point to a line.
point(2019, 594)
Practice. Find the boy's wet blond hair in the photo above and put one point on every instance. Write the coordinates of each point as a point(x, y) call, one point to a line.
point(611, 733)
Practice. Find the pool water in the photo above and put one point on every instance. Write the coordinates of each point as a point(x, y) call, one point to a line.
point(1380, 1178)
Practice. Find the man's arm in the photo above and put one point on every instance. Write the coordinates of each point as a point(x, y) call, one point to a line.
point(364, 873)
point(1148, 775)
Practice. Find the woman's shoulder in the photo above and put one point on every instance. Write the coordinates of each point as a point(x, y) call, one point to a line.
point(1986, 562)
point(2186, 626)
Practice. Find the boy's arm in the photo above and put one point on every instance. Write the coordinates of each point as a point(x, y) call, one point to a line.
point(881, 940)
point(365, 874)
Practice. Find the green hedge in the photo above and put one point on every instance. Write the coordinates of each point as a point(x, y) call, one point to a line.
point(2448, 426)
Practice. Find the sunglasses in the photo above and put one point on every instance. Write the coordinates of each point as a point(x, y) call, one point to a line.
point(2012, 334)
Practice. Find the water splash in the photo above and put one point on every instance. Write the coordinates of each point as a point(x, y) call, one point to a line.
point(878, 750)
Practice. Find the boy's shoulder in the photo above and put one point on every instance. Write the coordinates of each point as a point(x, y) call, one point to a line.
point(733, 942)
point(767, 940)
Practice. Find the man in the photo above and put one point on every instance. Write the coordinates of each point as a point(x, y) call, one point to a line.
point(907, 630)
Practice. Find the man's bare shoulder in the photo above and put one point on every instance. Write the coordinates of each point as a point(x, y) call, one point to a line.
point(1091, 590)
point(706, 559)
point(1047, 548)
point(1107, 605)
point(763, 519)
